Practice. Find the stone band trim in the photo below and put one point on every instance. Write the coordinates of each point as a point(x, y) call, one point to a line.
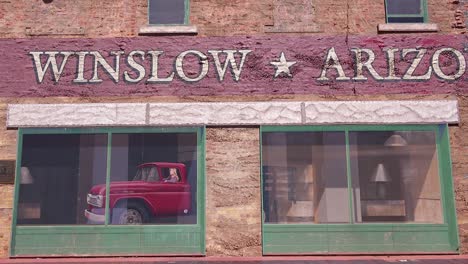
point(167, 30)
point(407, 27)
point(233, 113)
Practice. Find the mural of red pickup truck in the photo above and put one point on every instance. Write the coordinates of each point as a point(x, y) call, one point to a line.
point(158, 189)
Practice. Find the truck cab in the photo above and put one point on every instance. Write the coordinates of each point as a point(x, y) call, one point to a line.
point(157, 189)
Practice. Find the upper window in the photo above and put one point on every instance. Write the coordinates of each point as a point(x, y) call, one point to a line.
point(168, 12)
point(406, 11)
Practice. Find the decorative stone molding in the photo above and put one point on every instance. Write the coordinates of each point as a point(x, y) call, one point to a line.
point(75, 115)
point(233, 113)
point(252, 113)
point(381, 112)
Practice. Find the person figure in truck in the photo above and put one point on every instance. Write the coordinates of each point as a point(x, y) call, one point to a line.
point(173, 177)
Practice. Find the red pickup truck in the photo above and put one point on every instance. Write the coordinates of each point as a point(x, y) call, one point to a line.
point(158, 189)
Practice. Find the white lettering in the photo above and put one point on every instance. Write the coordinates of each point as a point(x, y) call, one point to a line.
point(221, 69)
point(51, 62)
point(368, 64)
point(409, 73)
point(80, 67)
point(134, 65)
point(461, 64)
point(391, 65)
point(203, 63)
point(155, 67)
point(331, 56)
point(99, 60)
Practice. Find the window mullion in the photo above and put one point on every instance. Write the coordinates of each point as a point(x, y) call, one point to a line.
point(348, 177)
point(187, 12)
point(108, 171)
point(19, 156)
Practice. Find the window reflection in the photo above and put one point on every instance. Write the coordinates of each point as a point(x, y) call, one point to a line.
point(56, 174)
point(395, 176)
point(153, 179)
point(304, 177)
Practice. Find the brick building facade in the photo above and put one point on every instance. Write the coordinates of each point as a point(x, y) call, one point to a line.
point(233, 211)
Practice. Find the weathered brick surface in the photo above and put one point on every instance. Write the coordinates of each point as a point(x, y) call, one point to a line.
point(233, 198)
point(227, 18)
point(459, 148)
point(107, 18)
point(6, 204)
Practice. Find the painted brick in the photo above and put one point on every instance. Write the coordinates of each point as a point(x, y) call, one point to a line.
point(257, 76)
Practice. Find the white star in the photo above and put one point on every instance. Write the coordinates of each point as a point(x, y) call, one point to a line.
point(282, 66)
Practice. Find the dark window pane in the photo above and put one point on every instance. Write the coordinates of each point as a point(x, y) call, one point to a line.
point(395, 177)
point(153, 178)
point(167, 11)
point(405, 20)
point(57, 172)
point(304, 177)
point(406, 7)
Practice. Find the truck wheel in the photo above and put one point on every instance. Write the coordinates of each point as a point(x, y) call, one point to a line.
point(132, 214)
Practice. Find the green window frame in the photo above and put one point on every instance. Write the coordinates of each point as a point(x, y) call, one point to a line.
point(366, 237)
point(186, 15)
point(421, 17)
point(107, 239)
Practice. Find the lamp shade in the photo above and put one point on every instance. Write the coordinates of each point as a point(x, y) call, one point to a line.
point(395, 140)
point(380, 174)
point(26, 177)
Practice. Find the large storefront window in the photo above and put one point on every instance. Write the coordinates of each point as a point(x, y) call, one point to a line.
point(357, 189)
point(396, 177)
point(304, 177)
point(56, 174)
point(165, 165)
point(84, 185)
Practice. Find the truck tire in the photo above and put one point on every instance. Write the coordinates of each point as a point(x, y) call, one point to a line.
point(131, 213)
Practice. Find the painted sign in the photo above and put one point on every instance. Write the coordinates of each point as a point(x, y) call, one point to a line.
point(184, 66)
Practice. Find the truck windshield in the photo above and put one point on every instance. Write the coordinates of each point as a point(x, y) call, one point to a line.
point(149, 174)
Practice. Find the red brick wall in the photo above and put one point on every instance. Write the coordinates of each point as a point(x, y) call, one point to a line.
point(112, 18)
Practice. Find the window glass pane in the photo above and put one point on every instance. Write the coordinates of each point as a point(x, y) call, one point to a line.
point(395, 176)
point(167, 11)
point(153, 178)
point(404, 7)
point(57, 173)
point(304, 177)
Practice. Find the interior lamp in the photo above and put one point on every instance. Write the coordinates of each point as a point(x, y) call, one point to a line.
point(395, 140)
point(381, 178)
point(26, 177)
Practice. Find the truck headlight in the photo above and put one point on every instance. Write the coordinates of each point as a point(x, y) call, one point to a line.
point(95, 200)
